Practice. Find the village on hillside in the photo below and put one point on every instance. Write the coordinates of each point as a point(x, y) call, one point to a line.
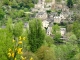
point(51, 13)
point(39, 29)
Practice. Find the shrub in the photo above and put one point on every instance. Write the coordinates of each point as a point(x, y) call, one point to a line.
point(45, 53)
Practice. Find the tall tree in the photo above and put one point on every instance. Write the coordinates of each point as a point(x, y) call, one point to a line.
point(70, 3)
point(76, 29)
point(35, 34)
point(1, 14)
point(18, 29)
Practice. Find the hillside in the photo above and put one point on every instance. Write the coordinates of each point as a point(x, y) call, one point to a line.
point(39, 29)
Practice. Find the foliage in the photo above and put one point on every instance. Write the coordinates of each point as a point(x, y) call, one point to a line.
point(69, 27)
point(66, 51)
point(29, 54)
point(35, 34)
point(55, 28)
point(56, 32)
point(18, 29)
point(57, 38)
point(6, 2)
point(17, 50)
point(70, 3)
point(5, 43)
point(76, 29)
point(45, 53)
point(73, 39)
point(1, 14)
point(49, 40)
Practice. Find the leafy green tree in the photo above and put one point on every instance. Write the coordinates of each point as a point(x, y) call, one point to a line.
point(73, 39)
point(49, 40)
point(69, 27)
point(57, 38)
point(46, 53)
point(76, 29)
point(56, 33)
point(9, 25)
point(35, 34)
point(1, 14)
point(55, 28)
point(27, 3)
point(6, 2)
point(5, 42)
point(18, 29)
point(66, 51)
point(70, 3)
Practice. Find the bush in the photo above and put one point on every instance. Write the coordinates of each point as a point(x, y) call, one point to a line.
point(29, 54)
point(45, 53)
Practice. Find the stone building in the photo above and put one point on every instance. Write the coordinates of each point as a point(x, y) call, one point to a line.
point(41, 15)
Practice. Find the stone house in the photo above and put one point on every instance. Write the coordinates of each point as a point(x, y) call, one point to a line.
point(45, 24)
point(42, 15)
point(57, 19)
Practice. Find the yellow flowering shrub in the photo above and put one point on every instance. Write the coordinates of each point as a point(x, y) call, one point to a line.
point(17, 51)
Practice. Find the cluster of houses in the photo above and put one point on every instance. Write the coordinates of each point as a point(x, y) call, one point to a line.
point(48, 19)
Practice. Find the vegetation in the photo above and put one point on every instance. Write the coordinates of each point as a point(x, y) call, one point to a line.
point(36, 34)
point(70, 3)
point(22, 37)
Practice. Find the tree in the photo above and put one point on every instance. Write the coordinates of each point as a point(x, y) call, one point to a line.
point(35, 34)
point(56, 32)
point(46, 53)
point(70, 3)
point(6, 2)
point(57, 37)
point(49, 40)
point(55, 28)
point(27, 3)
point(1, 14)
point(9, 26)
point(76, 29)
point(72, 39)
point(18, 29)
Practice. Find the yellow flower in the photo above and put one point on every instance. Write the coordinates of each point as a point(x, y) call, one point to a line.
point(24, 38)
point(9, 50)
point(14, 58)
point(20, 42)
point(13, 40)
point(31, 58)
point(12, 54)
point(23, 58)
point(20, 38)
point(9, 54)
point(19, 50)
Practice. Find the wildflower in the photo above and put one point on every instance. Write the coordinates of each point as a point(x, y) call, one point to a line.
point(19, 50)
point(9, 54)
point(23, 58)
point(31, 58)
point(24, 38)
point(12, 54)
point(20, 42)
point(20, 38)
